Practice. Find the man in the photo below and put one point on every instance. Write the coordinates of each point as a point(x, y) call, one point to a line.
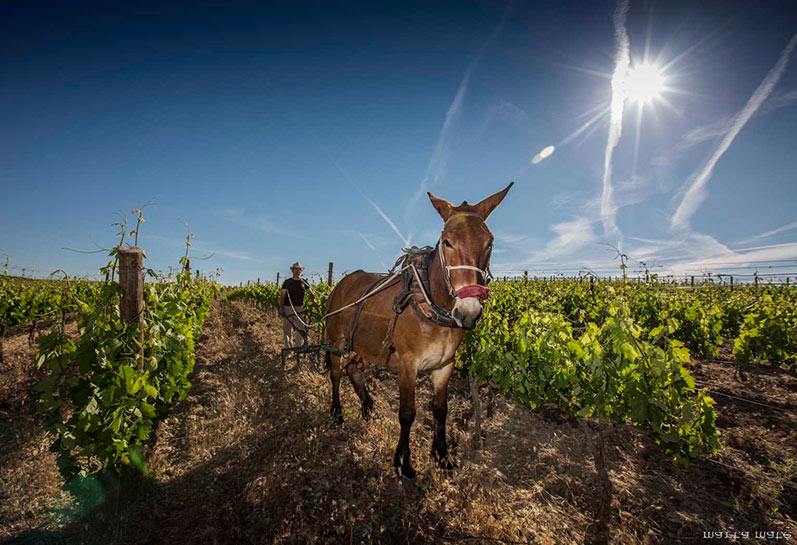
point(290, 307)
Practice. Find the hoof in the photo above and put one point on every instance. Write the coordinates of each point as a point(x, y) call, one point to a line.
point(403, 469)
point(405, 473)
point(337, 416)
point(445, 463)
point(441, 458)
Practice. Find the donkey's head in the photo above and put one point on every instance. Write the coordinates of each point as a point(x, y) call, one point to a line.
point(464, 250)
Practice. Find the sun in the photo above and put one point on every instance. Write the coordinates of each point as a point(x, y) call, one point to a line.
point(644, 83)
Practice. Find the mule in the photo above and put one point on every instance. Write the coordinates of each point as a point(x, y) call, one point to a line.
point(446, 286)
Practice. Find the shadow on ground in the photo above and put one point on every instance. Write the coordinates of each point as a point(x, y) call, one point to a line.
point(249, 457)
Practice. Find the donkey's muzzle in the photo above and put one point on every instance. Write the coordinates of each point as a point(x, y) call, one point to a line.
point(467, 311)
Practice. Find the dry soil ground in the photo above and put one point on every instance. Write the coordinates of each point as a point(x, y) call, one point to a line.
point(250, 457)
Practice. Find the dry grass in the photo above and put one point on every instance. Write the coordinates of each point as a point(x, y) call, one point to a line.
point(249, 457)
point(29, 479)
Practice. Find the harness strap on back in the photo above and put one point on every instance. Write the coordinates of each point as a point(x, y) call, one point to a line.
point(358, 309)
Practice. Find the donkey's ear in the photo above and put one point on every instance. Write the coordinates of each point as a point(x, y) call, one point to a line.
point(443, 207)
point(486, 207)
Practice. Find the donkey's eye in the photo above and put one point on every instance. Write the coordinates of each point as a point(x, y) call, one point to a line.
point(447, 244)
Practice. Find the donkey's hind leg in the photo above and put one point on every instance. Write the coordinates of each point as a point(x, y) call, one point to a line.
point(358, 381)
point(406, 379)
point(335, 372)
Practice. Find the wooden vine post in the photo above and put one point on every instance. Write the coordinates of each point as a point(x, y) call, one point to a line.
point(131, 280)
point(598, 532)
point(476, 407)
point(329, 275)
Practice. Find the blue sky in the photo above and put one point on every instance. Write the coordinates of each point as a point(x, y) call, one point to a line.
point(290, 131)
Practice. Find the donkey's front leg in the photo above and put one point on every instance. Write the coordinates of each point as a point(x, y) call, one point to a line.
point(440, 411)
point(407, 377)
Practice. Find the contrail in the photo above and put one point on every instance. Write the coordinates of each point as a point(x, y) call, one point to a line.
point(382, 213)
point(696, 193)
point(368, 242)
point(437, 164)
point(771, 233)
point(622, 62)
point(376, 207)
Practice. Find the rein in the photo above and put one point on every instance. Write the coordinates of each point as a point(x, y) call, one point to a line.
point(416, 291)
point(438, 315)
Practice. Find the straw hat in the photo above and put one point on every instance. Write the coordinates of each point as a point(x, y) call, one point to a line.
point(297, 265)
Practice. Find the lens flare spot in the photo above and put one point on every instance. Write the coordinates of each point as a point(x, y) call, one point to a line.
point(543, 154)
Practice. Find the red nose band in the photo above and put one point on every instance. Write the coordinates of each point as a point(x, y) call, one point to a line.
point(480, 292)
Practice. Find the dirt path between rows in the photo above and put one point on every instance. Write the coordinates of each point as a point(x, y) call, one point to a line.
point(250, 457)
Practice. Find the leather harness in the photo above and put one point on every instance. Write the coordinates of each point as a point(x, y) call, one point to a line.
point(416, 291)
point(411, 294)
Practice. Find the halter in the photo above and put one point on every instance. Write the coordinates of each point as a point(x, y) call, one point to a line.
point(473, 290)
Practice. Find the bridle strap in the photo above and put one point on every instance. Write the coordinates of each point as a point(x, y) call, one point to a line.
point(458, 214)
point(468, 267)
point(486, 275)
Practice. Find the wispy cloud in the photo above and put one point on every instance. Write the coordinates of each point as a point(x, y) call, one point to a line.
point(626, 192)
point(719, 127)
point(779, 100)
point(772, 233)
point(697, 253)
point(704, 133)
point(731, 260)
point(510, 238)
point(259, 222)
point(576, 247)
point(571, 237)
point(507, 112)
point(203, 247)
point(622, 61)
point(567, 198)
point(696, 192)
point(233, 254)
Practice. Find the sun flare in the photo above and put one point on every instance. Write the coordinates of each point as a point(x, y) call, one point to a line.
point(645, 82)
